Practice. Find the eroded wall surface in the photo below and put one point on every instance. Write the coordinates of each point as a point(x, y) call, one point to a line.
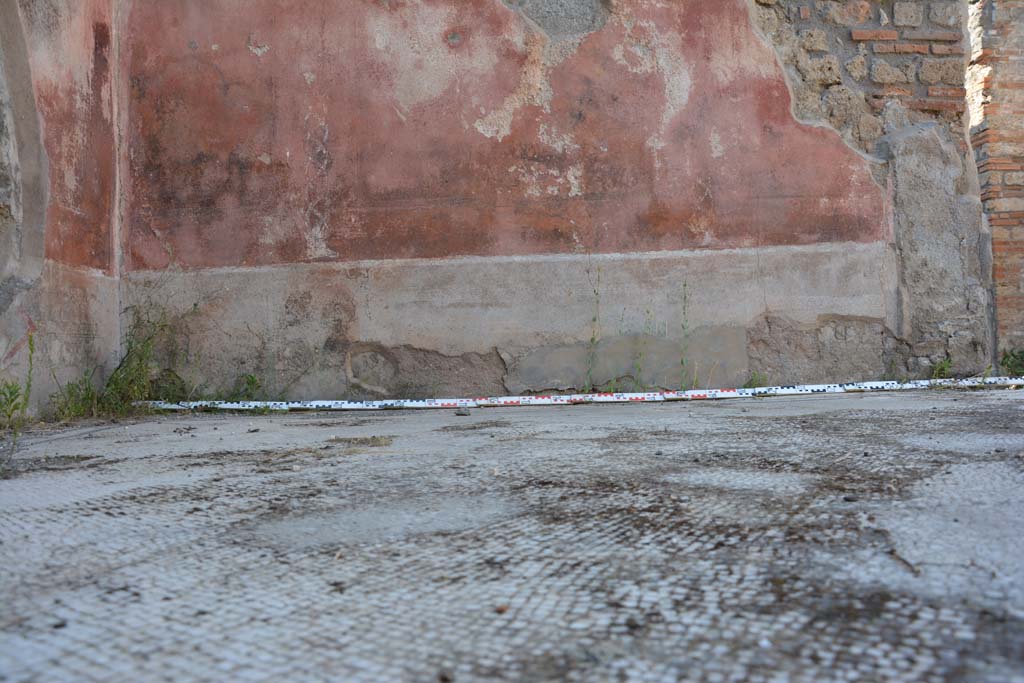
point(57, 184)
point(368, 197)
point(367, 130)
point(413, 197)
point(996, 77)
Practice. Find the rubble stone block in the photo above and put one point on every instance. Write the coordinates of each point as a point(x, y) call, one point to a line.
point(814, 40)
point(857, 68)
point(907, 14)
point(850, 13)
point(947, 14)
point(948, 71)
point(821, 70)
point(884, 73)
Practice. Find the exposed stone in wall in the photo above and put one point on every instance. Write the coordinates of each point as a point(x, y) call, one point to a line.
point(996, 86)
point(22, 189)
point(565, 18)
point(889, 76)
point(847, 60)
point(943, 256)
point(833, 349)
point(304, 340)
point(10, 195)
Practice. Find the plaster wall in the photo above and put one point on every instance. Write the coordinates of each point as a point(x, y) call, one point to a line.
point(427, 196)
point(57, 179)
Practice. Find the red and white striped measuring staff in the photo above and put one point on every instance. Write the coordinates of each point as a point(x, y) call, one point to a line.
point(576, 399)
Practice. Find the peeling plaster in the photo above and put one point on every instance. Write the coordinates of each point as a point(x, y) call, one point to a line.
point(533, 89)
point(421, 65)
point(256, 48)
point(437, 129)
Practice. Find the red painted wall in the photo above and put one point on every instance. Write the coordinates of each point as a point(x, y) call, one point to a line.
point(71, 54)
point(269, 132)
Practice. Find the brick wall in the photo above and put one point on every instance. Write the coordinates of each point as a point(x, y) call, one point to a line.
point(889, 76)
point(996, 97)
point(849, 60)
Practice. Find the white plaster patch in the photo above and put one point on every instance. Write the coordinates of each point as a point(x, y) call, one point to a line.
point(575, 178)
point(415, 45)
point(651, 51)
point(717, 150)
point(273, 231)
point(65, 53)
point(533, 89)
point(255, 47)
point(560, 143)
point(73, 147)
point(736, 55)
point(639, 59)
point(677, 79)
point(538, 180)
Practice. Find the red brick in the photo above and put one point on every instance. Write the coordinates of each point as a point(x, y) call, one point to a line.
point(873, 34)
point(1005, 272)
point(942, 91)
point(1008, 247)
point(947, 49)
point(1008, 232)
point(805, 13)
point(937, 105)
point(911, 48)
point(947, 36)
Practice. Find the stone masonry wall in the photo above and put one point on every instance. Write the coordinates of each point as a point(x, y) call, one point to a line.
point(889, 76)
point(996, 85)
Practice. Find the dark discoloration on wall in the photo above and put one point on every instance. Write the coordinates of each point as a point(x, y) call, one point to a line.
point(261, 133)
point(832, 349)
point(437, 128)
point(70, 53)
point(374, 370)
point(58, 64)
point(24, 161)
point(869, 70)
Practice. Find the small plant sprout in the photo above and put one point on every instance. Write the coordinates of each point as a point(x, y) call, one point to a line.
point(756, 379)
point(14, 402)
point(1012, 362)
point(942, 368)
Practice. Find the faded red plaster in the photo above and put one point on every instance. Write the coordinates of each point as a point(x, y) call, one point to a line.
point(70, 57)
point(263, 133)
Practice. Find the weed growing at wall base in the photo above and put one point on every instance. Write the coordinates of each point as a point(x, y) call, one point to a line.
point(756, 379)
point(595, 325)
point(131, 381)
point(1012, 362)
point(14, 398)
point(942, 368)
point(138, 378)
